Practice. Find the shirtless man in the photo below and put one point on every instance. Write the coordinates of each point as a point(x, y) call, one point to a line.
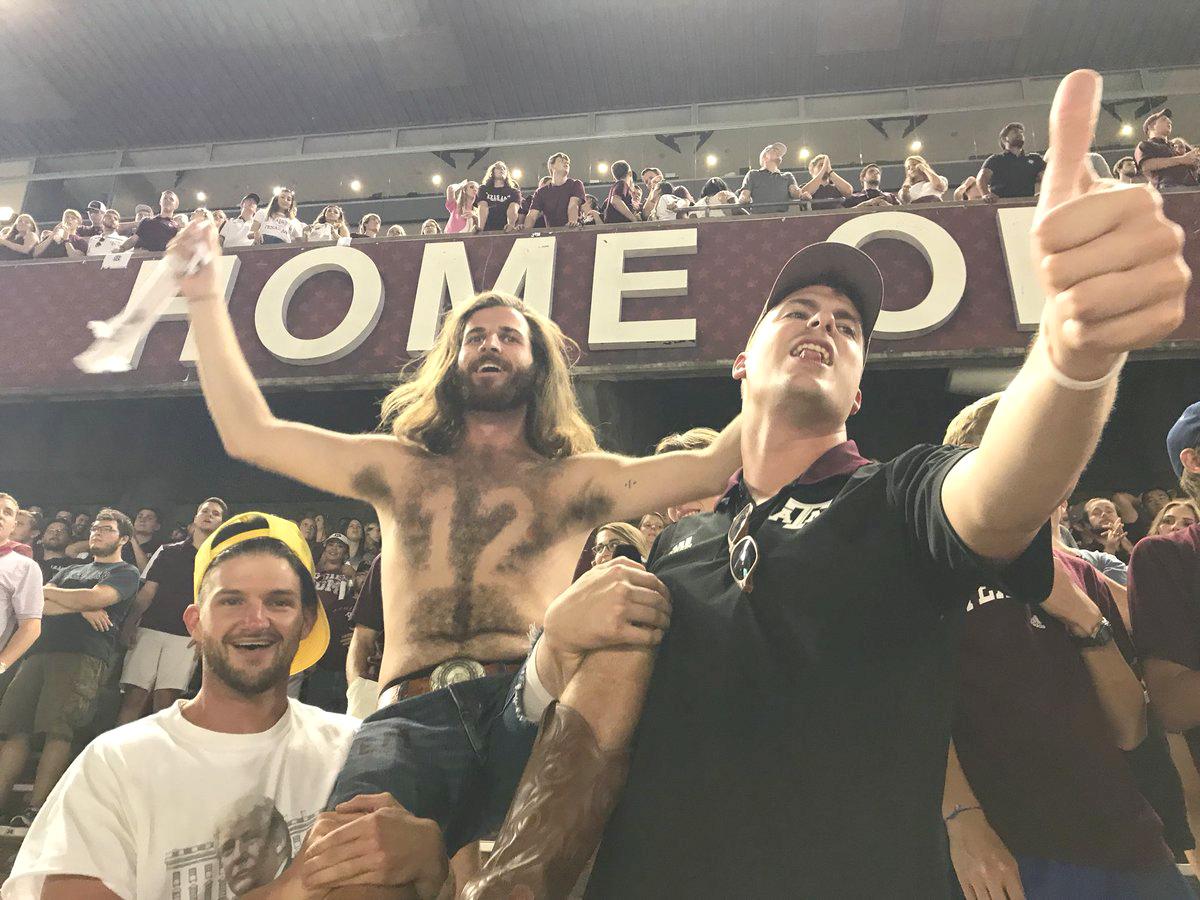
point(486, 483)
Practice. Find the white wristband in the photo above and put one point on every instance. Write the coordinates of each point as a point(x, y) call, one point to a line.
point(535, 698)
point(1071, 384)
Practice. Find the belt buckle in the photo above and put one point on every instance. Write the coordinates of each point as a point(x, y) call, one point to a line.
point(456, 670)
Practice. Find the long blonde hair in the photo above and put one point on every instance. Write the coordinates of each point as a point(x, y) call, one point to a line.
point(462, 202)
point(908, 178)
point(428, 410)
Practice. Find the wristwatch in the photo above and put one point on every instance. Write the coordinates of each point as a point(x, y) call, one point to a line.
point(1101, 636)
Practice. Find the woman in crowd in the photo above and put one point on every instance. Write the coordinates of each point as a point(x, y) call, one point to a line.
point(277, 224)
point(62, 241)
point(322, 530)
point(219, 219)
point(499, 199)
point(589, 213)
point(921, 183)
point(460, 203)
point(398, 230)
point(430, 226)
point(20, 239)
point(1176, 515)
point(716, 193)
point(372, 542)
point(368, 226)
point(352, 528)
point(617, 535)
point(330, 225)
point(651, 526)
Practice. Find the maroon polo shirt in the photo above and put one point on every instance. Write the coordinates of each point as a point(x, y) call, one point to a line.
point(1164, 603)
point(554, 199)
point(1033, 739)
point(155, 233)
point(1172, 176)
point(172, 568)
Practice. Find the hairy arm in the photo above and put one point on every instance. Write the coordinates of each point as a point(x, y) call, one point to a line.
point(326, 460)
point(636, 485)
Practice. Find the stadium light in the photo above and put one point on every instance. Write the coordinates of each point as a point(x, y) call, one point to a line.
point(6, 213)
point(356, 185)
point(1126, 129)
point(601, 167)
point(437, 180)
point(805, 153)
point(201, 196)
point(516, 174)
point(915, 146)
point(711, 159)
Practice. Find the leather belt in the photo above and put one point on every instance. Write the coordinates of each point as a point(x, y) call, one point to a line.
point(452, 671)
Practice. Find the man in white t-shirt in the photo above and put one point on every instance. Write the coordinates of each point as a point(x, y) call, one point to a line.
point(20, 593)
point(236, 231)
point(215, 796)
point(108, 240)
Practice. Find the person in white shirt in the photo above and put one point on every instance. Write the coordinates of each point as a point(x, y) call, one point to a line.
point(108, 240)
point(236, 232)
point(20, 593)
point(219, 793)
point(329, 226)
point(921, 183)
point(277, 224)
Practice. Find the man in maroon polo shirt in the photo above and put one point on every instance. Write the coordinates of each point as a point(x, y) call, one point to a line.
point(1164, 599)
point(559, 201)
point(162, 657)
point(1040, 800)
point(1157, 160)
point(155, 232)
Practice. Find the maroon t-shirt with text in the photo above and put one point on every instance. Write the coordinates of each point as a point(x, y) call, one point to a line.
point(1034, 742)
point(336, 592)
point(1164, 603)
point(554, 199)
point(172, 567)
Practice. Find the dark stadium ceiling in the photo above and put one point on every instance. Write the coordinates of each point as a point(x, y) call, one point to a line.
point(107, 74)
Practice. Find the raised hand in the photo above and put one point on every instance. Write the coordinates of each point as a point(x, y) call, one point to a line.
point(1110, 262)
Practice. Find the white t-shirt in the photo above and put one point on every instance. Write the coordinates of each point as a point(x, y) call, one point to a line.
point(20, 592)
point(919, 189)
point(285, 228)
point(236, 232)
point(163, 808)
point(104, 244)
point(322, 232)
point(667, 206)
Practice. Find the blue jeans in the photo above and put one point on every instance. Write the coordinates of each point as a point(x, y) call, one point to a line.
point(1044, 879)
point(453, 755)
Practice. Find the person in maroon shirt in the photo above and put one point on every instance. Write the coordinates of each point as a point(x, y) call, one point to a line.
point(162, 657)
point(325, 683)
point(63, 242)
point(155, 232)
point(559, 201)
point(1040, 800)
point(621, 205)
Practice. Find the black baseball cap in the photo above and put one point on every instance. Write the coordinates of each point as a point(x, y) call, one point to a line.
point(97, 206)
point(842, 264)
point(251, 196)
point(1165, 111)
point(1184, 435)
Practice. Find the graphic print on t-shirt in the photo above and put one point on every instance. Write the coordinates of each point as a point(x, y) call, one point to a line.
point(252, 846)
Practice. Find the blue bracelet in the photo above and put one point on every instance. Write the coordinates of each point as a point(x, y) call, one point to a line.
point(959, 810)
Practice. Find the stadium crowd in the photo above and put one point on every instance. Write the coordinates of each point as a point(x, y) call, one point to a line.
point(818, 616)
point(498, 203)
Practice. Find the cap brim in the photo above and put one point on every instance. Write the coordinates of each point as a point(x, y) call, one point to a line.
point(832, 261)
point(312, 647)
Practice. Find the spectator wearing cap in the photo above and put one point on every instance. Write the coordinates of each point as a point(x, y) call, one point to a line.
point(154, 233)
point(141, 212)
point(221, 792)
point(368, 226)
point(871, 195)
point(236, 232)
point(54, 691)
point(1125, 170)
point(766, 186)
point(1157, 159)
point(1013, 173)
point(621, 205)
point(63, 242)
point(95, 214)
point(108, 239)
point(161, 658)
point(19, 240)
point(559, 201)
point(921, 183)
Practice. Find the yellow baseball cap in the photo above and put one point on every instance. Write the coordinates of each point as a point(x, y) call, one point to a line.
point(247, 526)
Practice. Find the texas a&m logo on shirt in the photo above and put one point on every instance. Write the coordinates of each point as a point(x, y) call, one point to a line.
point(794, 515)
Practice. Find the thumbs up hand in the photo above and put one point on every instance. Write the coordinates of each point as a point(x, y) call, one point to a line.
point(1110, 262)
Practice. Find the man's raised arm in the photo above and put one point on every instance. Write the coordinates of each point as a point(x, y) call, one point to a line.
point(1112, 267)
point(637, 485)
point(325, 460)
